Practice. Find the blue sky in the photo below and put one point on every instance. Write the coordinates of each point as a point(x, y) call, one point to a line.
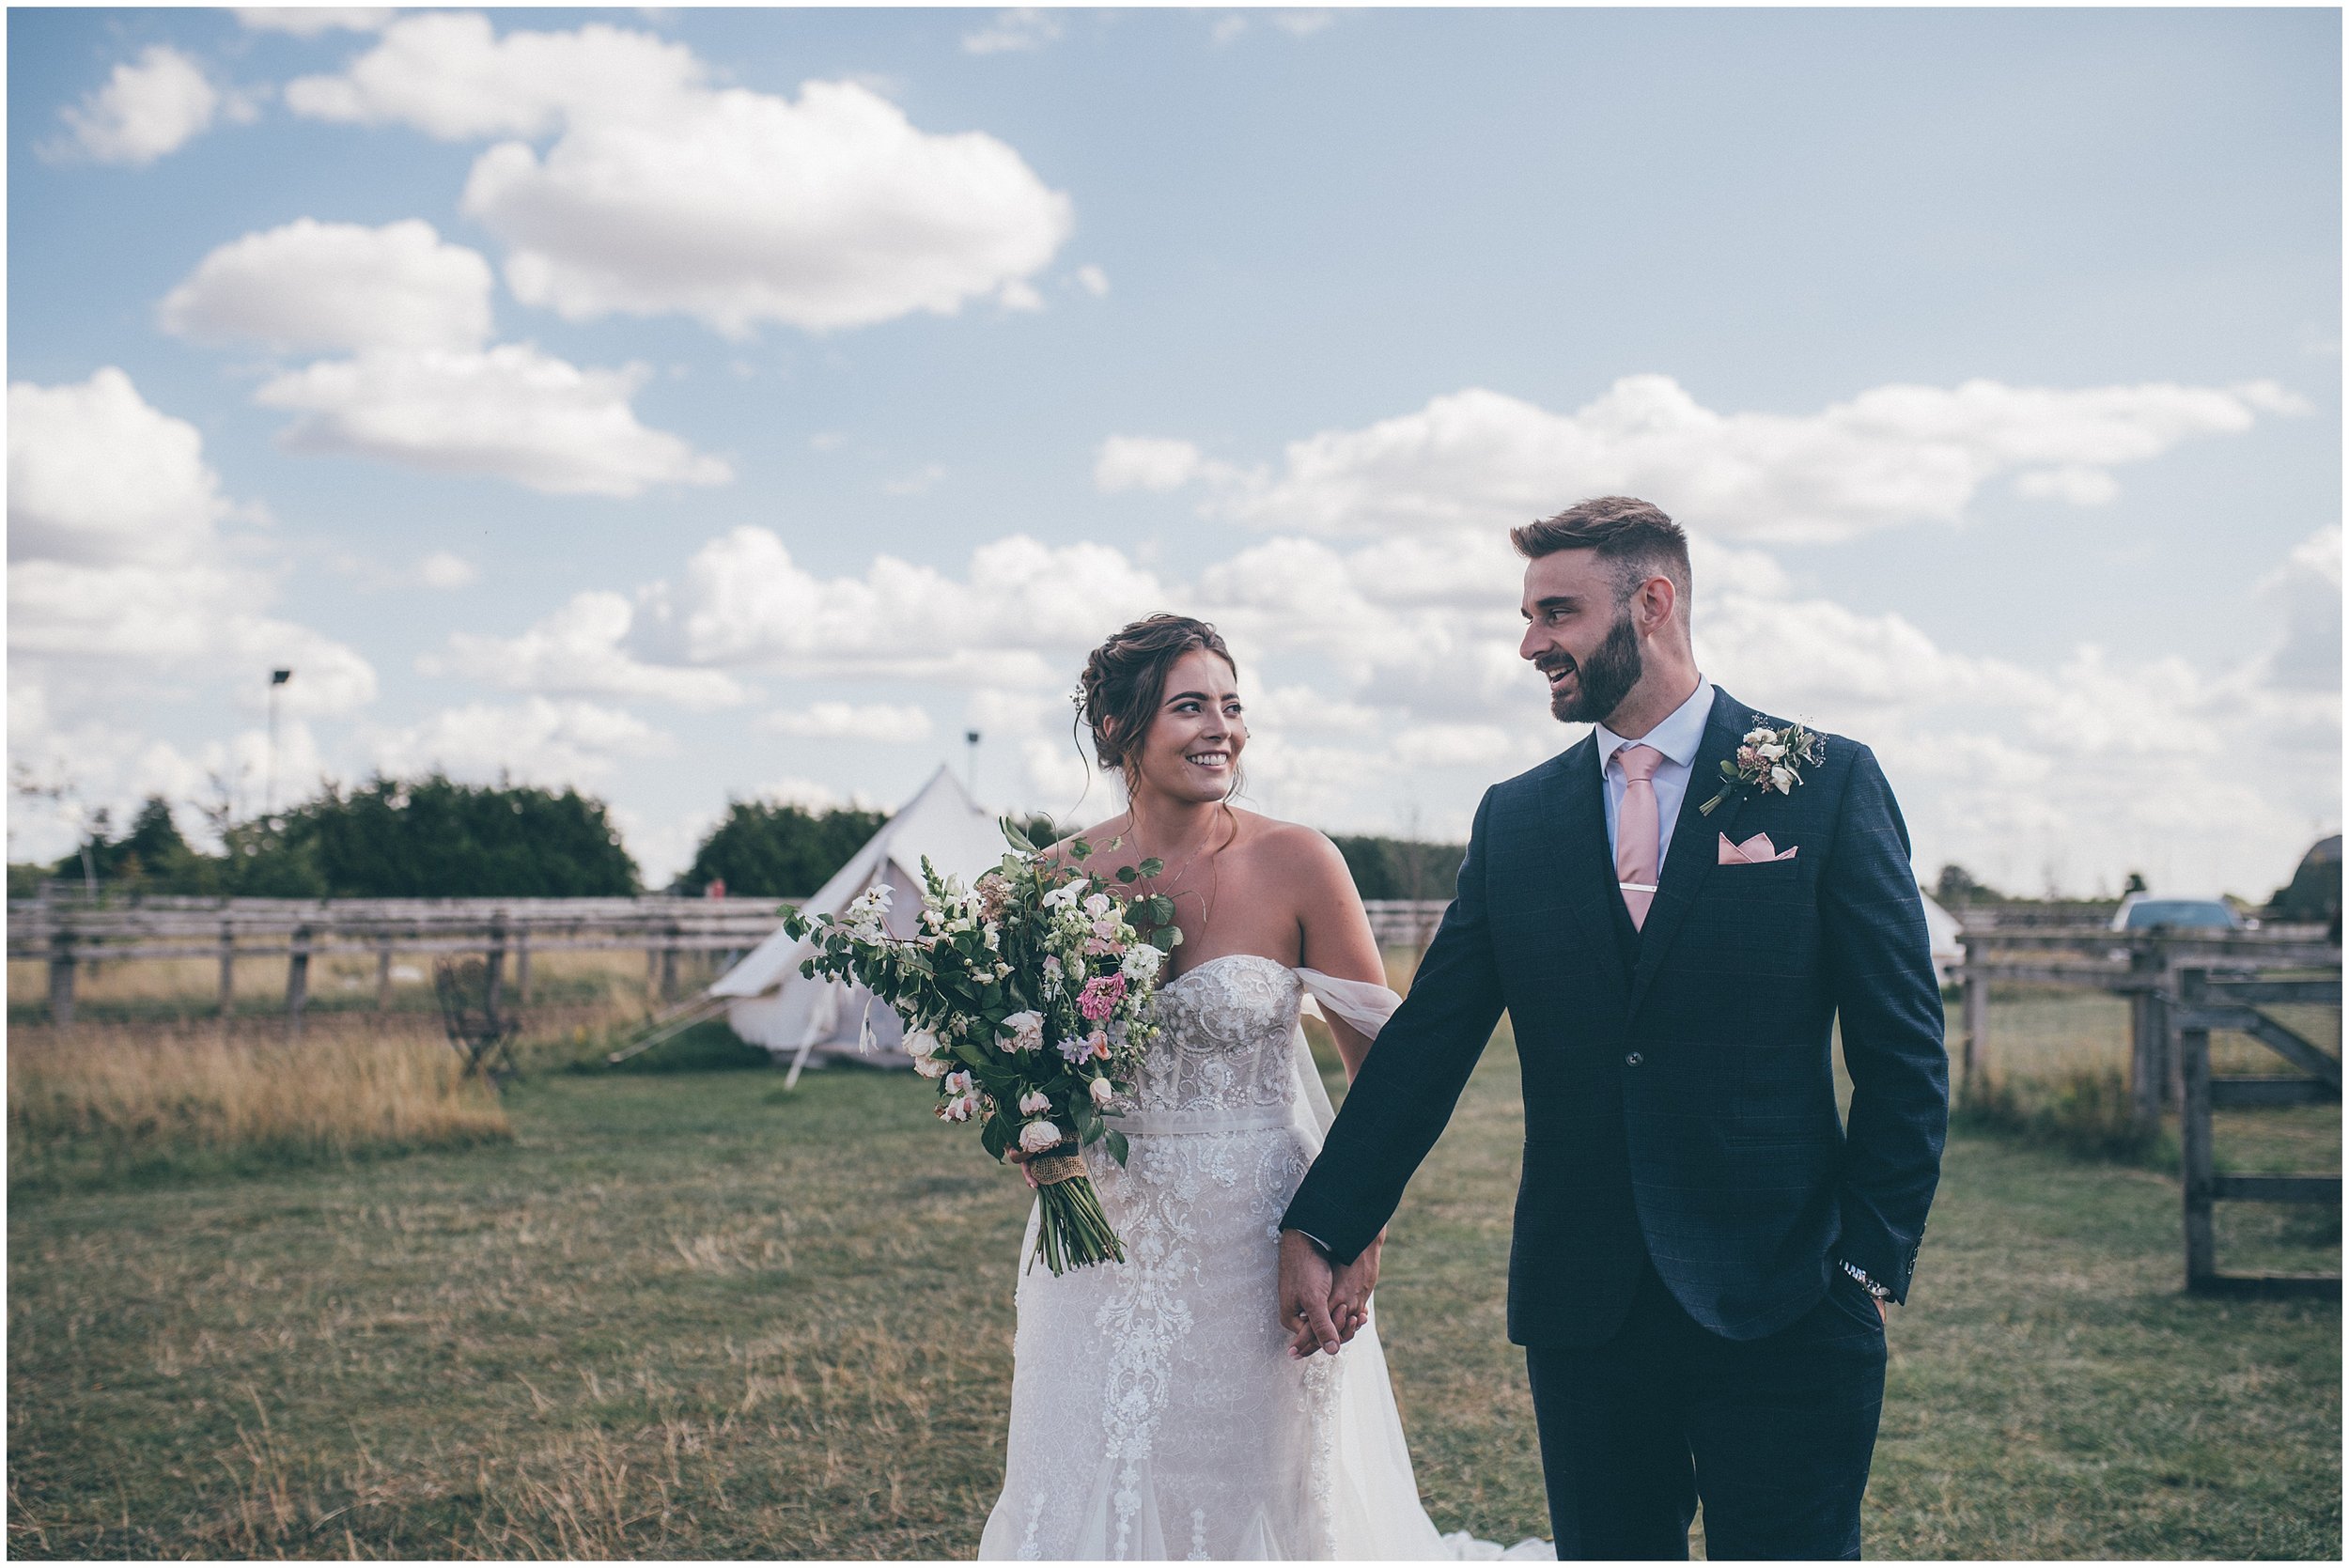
point(694, 404)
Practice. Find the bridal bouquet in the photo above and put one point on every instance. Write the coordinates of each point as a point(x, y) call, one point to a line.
point(1027, 1001)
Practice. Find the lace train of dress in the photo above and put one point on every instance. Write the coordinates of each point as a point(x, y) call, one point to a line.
point(1155, 1411)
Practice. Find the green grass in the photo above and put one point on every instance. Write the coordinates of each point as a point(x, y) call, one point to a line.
point(685, 1314)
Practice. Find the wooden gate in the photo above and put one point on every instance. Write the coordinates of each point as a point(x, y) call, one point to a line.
point(2205, 1003)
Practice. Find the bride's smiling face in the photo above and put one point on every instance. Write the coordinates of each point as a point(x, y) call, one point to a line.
point(1192, 749)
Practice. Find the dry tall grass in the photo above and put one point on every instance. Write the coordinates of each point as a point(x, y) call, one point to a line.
point(105, 1101)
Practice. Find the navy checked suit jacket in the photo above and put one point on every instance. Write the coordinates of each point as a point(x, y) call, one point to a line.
point(1680, 1100)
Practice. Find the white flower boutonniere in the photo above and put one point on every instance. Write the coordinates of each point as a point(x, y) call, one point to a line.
point(1769, 759)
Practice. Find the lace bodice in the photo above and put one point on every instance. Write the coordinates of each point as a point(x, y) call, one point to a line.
point(1224, 1038)
point(1155, 1410)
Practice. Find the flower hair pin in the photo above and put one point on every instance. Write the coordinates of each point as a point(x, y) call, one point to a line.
point(1769, 759)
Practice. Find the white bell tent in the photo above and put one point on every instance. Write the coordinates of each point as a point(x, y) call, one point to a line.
point(768, 1003)
point(1941, 931)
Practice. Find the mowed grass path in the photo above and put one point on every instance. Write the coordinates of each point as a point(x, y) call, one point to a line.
point(688, 1315)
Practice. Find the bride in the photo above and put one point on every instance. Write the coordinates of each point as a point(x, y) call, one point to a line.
point(1157, 1408)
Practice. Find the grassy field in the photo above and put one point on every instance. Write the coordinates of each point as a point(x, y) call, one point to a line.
point(682, 1315)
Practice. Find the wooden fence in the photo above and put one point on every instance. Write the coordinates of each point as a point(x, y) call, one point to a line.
point(68, 937)
point(2206, 1002)
point(69, 934)
point(2143, 965)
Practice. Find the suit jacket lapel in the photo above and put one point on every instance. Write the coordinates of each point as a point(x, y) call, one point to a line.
point(1575, 816)
point(1692, 856)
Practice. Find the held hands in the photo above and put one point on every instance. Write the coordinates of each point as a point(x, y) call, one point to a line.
point(1322, 1307)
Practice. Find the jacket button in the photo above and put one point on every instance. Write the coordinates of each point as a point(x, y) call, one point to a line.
point(1633, 1060)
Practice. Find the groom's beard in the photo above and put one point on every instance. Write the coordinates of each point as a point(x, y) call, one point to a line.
point(1602, 681)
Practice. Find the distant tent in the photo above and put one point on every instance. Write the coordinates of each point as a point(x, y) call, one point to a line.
point(1941, 930)
point(770, 1004)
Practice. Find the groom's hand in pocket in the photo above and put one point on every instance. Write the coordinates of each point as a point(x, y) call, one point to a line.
point(1304, 1285)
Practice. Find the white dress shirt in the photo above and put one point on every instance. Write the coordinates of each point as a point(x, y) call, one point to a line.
point(1677, 737)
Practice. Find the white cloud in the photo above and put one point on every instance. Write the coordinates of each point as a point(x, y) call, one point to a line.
point(1892, 456)
point(919, 481)
point(1148, 463)
point(146, 109)
point(885, 723)
point(579, 651)
point(1024, 27)
point(447, 74)
point(447, 571)
point(98, 477)
point(114, 553)
point(2305, 592)
point(1093, 281)
point(1301, 25)
point(537, 742)
point(122, 589)
point(742, 603)
point(310, 285)
point(661, 195)
point(509, 411)
point(309, 21)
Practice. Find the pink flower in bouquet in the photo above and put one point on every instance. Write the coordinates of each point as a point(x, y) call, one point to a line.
point(1102, 996)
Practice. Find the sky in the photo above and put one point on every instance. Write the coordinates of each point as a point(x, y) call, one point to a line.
point(706, 405)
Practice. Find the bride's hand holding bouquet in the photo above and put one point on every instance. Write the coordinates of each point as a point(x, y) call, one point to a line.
point(1027, 1001)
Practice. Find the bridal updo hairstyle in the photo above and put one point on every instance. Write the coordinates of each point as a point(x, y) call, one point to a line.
point(1118, 694)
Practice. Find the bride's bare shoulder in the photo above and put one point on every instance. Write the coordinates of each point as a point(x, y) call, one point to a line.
point(1290, 850)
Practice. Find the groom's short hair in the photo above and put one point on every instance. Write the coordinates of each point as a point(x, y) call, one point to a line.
point(1631, 535)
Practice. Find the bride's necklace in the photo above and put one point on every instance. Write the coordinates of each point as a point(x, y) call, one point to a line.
point(1165, 886)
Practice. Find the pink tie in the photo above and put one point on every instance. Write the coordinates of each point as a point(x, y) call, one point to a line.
point(1638, 829)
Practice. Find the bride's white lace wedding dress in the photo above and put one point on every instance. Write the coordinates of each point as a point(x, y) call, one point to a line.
point(1155, 1410)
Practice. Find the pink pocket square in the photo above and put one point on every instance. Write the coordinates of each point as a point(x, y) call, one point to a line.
point(1757, 850)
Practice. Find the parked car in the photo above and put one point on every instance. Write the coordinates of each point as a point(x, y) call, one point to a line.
point(2142, 911)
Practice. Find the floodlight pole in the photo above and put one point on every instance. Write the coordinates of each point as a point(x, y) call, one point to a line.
point(970, 771)
point(269, 789)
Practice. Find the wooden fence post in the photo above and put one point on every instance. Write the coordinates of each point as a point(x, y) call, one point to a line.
point(668, 961)
point(1977, 1018)
point(383, 976)
point(297, 981)
point(494, 981)
point(227, 971)
point(521, 966)
point(2194, 1137)
point(61, 963)
point(2149, 1047)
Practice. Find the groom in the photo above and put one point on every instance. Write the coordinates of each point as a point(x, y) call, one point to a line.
point(1703, 1248)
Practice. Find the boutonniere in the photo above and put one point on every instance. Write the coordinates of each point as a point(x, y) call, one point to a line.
point(1769, 759)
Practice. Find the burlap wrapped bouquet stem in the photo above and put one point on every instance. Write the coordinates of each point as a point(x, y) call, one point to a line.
point(1060, 1163)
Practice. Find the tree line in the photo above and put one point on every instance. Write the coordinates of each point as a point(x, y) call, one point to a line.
point(435, 838)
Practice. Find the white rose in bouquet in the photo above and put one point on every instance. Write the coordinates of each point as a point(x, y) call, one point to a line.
point(1036, 1137)
point(1035, 1102)
point(930, 1067)
point(1103, 1091)
point(1023, 1032)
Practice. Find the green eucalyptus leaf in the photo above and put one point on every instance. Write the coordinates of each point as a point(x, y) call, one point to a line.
point(1080, 851)
point(1116, 1141)
point(1127, 873)
point(1152, 867)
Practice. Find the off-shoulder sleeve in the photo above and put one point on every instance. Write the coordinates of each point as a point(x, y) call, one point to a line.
point(1360, 1005)
point(1363, 1006)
